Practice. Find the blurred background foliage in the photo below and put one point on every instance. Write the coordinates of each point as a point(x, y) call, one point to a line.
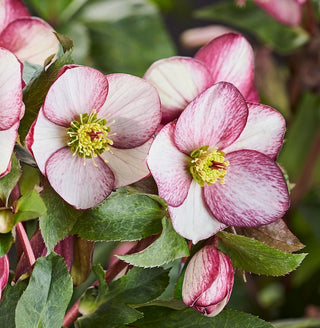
point(129, 35)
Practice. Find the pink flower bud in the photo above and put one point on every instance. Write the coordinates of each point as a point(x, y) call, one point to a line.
point(208, 281)
point(4, 272)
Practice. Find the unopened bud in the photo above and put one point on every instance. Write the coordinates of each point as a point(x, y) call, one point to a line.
point(7, 220)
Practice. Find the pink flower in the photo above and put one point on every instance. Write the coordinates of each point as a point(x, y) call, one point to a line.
point(29, 38)
point(215, 166)
point(208, 281)
point(11, 108)
point(180, 79)
point(4, 272)
point(287, 12)
point(93, 133)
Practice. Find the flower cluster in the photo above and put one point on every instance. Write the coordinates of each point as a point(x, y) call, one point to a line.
point(194, 124)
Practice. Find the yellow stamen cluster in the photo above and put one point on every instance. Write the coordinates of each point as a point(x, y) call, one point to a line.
point(208, 166)
point(89, 136)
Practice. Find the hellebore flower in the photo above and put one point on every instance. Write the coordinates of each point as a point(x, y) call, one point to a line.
point(11, 108)
point(287, 12)
point(180, 79)
point(208, 281)
point(29, 38)
point(93, 133)
point(4, 272)
point(215, 166)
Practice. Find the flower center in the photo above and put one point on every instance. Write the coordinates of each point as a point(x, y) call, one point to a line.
point(89, 136)
point(208, 166)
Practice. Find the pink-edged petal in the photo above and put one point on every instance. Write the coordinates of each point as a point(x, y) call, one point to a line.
point(81, 185)
point(169, 167)
point(11, 10)
point(7, 141)
point(287, 12)
point(44, 139)
point(30, 39)
point(230, 58)
point(10, 89)
point(178, 81)
point(128, 165)
point(255, 191)
point(77, 91)
point(4, 272)
point(191, 219)
point(215, 118)
point(134, 106)
point(264, 131)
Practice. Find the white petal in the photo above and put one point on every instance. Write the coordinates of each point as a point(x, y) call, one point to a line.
point(191, 219)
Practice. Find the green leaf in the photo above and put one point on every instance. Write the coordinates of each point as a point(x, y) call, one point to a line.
point(122, 216)
point(59, 219)
point(35, 92)
point(65, 42)
point(254, 256)
point(297, 323)
point(126, 36)
point(253, 19)
point(189, 318)
point(29, 206)
point(6, 239)
point(29, 179)
point(168, 247)
point(44, 302)
point(8, 182)
point(9, 302)
point(30, 71)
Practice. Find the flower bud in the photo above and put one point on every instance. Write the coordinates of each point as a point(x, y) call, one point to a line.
point(7, 220)
point(4, 272)
point(208, 281)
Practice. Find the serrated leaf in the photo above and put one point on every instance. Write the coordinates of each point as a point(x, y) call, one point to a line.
point(59, 219)
point(276, 235)
point(8, 182)
point(34, 93)
point(189, 318)
point(9, 302)
point(122, 216)
point(254, 256)
point(29, 206)
point(65, 42)
point(44, 302)
point(168, 247)
point(6, 239)
point(82, 257)
point(253, 19)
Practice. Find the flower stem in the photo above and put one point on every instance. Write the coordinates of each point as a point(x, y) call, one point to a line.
point(25, 244)
point(71, 315)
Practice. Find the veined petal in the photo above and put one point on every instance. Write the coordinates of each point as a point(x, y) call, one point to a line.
point(10, 89)
point(79, 182)
point(178, 81)
point(128, 165)
point(191, 219)
point(45, 138)
point(7, 141)
point(285, 11)
point(255, 191)
point(215, 118)
point(169, 167)
point(10, 10)
point(263, 132)
point(77, 91)
point(4, 272)
point(230, 58)
point(134, 106)
point(30, 39)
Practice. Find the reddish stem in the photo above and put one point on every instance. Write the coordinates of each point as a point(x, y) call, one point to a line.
point(71, 315)
point(25, 244)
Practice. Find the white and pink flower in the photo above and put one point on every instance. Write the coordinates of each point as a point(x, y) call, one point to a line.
point(180, 79)
point(216, 167)
point(4, 272)
point(11, 106)
point(208, 281)
point(29, 38)
point(93, 133)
